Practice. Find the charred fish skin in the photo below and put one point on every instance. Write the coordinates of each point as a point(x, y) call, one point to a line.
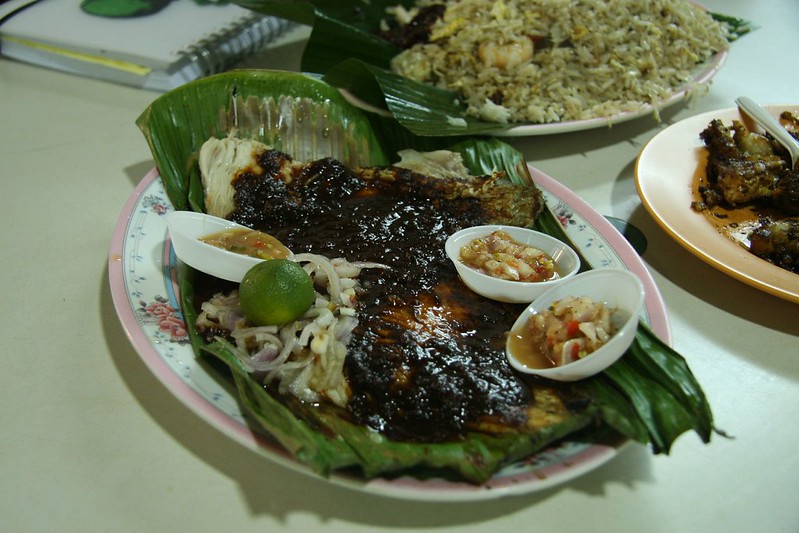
point(746, 168)
point(778, 243)
point(426, 361)
point(515, 205)
point(750, 169)
point(428, 367)
point(740, 168)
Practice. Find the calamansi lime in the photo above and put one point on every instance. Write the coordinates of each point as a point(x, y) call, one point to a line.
point(275, 292)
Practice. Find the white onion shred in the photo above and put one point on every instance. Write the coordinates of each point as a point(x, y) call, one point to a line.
point(304, 358)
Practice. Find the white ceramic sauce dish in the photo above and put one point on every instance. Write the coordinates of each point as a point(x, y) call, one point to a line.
point(187, 227)
point(566, 259)
point(616, 288)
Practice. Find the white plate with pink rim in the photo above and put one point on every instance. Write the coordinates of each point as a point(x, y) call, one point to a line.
point(146, 298)
point(702, 75)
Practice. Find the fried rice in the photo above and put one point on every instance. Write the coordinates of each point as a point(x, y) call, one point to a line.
point(544, 61)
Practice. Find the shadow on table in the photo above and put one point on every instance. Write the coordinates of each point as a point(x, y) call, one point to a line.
point(137, 171)
point(271, 488)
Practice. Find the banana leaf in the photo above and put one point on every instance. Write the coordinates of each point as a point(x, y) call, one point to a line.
point(649, 396)
point(423, 109)
point(324, 440)
point(344, 47)
point(298, 114)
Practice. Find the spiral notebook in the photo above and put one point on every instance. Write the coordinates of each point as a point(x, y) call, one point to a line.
point(184, 41)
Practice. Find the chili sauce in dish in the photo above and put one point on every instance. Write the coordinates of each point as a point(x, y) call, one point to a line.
point(248, 242)
point(570, 329)
point(500, 256)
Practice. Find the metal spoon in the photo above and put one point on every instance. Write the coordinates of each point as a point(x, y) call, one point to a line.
point(764, 119)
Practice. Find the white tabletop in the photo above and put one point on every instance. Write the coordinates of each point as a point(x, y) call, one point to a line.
point(91, 440)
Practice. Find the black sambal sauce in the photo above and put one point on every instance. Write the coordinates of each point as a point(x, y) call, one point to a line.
point(427, 358)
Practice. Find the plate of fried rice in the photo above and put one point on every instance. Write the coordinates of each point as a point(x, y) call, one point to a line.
point(556, 66)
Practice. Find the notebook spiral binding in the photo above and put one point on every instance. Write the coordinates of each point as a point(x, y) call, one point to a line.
point(226, 47)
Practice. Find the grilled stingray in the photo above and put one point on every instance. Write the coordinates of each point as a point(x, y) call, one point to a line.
point(777, 242)
point(426, 361)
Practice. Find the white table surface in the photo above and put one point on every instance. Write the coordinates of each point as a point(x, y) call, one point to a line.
point(91, 441)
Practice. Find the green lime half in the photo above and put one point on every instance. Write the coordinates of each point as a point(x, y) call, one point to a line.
point(275, 292)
